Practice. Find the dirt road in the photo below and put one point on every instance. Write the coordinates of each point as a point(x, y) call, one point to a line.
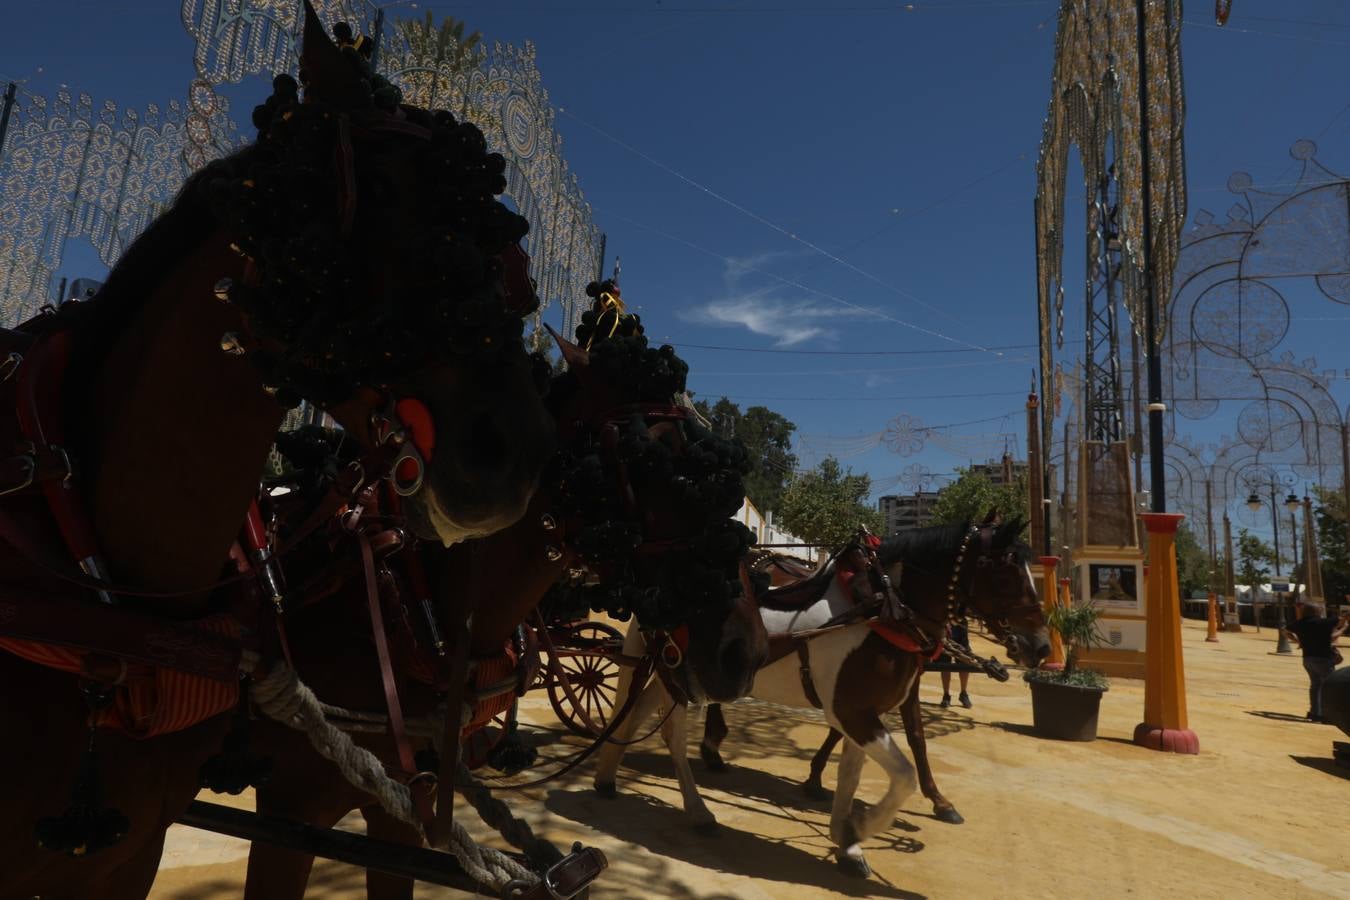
point(1261, 812)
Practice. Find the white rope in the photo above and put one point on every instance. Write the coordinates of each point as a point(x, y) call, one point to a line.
point(282, 696)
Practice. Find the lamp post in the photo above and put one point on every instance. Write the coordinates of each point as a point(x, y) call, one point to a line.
point(1254, 503)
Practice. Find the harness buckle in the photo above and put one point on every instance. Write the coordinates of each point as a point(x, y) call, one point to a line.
point(570, 875)
point(29, 462)
point(407, 485)
point(10, 365)
point(671, 661)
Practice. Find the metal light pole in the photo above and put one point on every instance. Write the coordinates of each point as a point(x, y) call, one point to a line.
point(1254, 503)
point(1156, 407)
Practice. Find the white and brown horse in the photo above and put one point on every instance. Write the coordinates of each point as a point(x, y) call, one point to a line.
point(856, 671)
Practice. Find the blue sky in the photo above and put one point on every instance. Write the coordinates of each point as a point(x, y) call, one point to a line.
point(823, 178)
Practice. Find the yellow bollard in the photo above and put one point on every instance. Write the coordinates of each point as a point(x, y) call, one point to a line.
point(1213, 633)
point(1165, 725)
point(1056, 658)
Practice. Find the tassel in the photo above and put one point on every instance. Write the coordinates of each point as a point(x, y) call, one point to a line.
point(86, 826)
point(234, 769)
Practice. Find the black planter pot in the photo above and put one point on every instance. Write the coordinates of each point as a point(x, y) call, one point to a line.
point(1065, 712)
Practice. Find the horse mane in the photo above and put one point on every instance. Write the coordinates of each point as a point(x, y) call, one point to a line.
point(96, 324)
point(931, 540)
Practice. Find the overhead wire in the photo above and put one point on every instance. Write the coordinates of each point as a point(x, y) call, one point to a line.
point(678, 343)
point(777, 228)
point(871, 311)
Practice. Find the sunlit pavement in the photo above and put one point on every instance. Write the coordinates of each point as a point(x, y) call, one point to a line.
point(1259, 813)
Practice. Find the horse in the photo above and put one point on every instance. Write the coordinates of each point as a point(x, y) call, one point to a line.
point(365, 266)
point(784, 572)
point(502, 579)
point(857, 671)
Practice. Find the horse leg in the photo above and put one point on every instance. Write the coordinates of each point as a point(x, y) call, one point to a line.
point(384, 827)
point(912, 714)
point(812, 785)
point(714, 732)
point(609, 757)
point(866, 729)
point(842, 829)
point(675, 732)
point(306, 788)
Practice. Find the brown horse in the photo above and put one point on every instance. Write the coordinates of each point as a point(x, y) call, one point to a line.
point(785, 572)
point(502, 578)
point(354, 280)
point(856, 673)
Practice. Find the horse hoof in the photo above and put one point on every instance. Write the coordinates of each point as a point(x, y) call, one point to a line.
point(949, 815)
point(606, 789)
point(854, 866)
point(713, 760)
point(708, 829)
point(815, 790)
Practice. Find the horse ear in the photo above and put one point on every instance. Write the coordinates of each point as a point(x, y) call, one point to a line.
point(1011, 529)
point(577, 359)
point(994, 517)
point(323, 71)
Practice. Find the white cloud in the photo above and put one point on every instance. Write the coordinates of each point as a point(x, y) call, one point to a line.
point(770, 311)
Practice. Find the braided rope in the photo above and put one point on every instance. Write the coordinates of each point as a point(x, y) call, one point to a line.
point(283, 697)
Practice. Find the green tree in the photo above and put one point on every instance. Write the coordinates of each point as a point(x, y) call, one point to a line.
point(1192, 563)
point(973, 496)
point(1329, 519)
point(1253, 555)
point(767, 436)
point(825, 505)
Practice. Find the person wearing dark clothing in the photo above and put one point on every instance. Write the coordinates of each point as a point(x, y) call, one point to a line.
point(956, 634)
point(1316, 634)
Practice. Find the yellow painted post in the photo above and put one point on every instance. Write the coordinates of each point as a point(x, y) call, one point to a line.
point(1065, 598)
point(1048, 602)
point(1165, 725)
point(1212, 635)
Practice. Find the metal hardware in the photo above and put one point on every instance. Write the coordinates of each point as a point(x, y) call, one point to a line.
point(231, 345)
point(10, 365)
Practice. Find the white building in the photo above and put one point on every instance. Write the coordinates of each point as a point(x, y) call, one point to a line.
point(767, 532)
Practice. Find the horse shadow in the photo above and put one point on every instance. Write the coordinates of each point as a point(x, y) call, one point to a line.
point(647, 822)
point(749, 783)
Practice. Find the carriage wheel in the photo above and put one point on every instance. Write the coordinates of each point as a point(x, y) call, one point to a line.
point(591, 674)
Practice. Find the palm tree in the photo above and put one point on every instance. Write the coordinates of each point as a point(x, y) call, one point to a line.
point(431, 45)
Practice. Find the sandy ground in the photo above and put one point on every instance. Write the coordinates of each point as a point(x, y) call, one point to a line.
point(1261, 812)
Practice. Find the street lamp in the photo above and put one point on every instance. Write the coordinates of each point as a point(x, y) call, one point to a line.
point(1255, 502)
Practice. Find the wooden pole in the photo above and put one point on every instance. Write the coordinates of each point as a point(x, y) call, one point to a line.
point(1165, 726)
point(1049, 600)
point(1036, 507)
point(417, 863)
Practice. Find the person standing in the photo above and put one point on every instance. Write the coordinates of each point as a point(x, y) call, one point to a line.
point(956, 633)
point(1316, 634)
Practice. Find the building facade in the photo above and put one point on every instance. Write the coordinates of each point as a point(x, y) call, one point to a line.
point(903, 511)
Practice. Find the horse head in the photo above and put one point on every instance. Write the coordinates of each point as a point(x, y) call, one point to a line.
point(384, 281)
point(655, 493)
point(1002, 592)
point(946, 572)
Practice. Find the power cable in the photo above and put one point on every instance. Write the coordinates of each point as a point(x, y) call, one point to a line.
point(760, 219)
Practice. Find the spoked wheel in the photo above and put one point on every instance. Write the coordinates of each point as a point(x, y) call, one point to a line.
point(584, 663)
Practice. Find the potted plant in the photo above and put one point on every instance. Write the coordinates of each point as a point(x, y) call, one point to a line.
point(1064, 703)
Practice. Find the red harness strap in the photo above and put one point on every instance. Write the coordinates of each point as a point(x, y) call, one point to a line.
point(421, 799)
point(904, 641)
